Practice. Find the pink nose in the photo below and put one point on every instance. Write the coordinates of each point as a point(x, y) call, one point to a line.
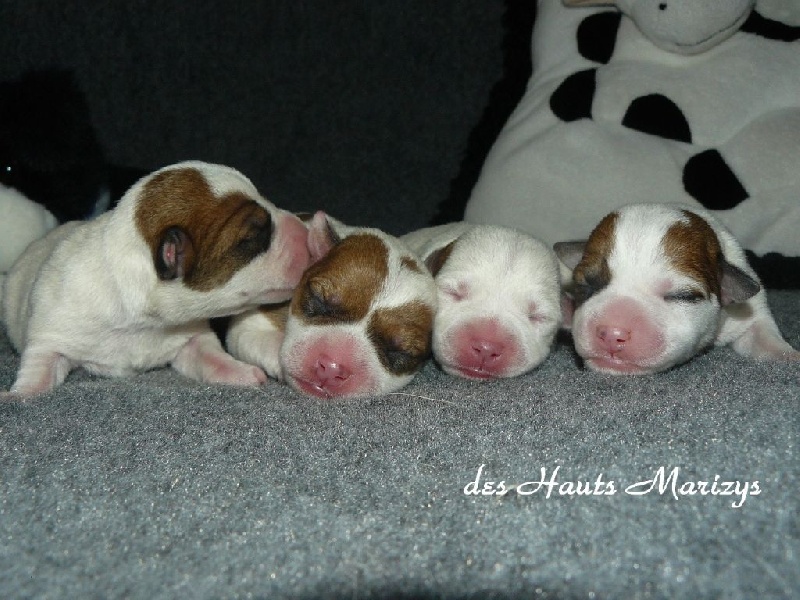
point(330, 373)
point(487, 350)
point(613, 338)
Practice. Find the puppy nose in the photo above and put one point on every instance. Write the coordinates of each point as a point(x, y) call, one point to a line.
point(613, 337)
point(329, 372)
point(487, 350)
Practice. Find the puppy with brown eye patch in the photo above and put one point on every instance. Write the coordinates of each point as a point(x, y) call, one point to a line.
point(134, 288)
point(358, 324)
point(499, 298)
point(654, 285)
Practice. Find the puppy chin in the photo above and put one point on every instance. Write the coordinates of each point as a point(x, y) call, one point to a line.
point(352, 389)
point(475, 373)
point(616, 366)
point(639, 365)
point(452, 366)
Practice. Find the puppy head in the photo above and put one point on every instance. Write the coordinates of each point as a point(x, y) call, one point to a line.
point(216, 245)
point(498, 308)
point(648, 286)
point(360, 321)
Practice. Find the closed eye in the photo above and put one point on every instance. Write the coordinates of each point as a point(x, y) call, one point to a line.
point(539, 318)
point(316, 304)
point(689, 296)
point(456, 292)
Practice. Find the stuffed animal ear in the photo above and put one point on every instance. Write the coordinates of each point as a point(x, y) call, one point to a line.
point(570, 253)
point(737, 286)
point(175, 254)
point(321, 236)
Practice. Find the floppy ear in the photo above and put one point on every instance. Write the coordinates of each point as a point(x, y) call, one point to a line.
point(570, 253)
point(321, 236)
point(436, 259)
point(175, 255)
point(567, 310)
point(736, 286)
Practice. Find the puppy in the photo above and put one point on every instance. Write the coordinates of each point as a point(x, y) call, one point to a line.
point(654, 285)
point(499, 298)
point(133, 289)
point(359, 322)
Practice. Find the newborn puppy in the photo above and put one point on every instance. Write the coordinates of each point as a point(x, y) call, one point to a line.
point(359, 322)
point(133, 289)
point(499, 298)
point(654, 285)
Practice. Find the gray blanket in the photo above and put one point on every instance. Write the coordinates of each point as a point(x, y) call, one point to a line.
point(559, 484)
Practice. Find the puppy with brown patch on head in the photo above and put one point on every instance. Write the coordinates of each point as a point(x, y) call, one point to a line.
point(656, 284)
point(133, 289)
point(359, 322)
point(498, 298)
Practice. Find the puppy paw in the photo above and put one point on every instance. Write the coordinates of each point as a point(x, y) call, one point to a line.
point(10, 397)
point(234, 372)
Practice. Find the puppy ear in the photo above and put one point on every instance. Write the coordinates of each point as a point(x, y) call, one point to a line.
point(175, 254)
point(570, 253)
point(436, 259)
point(736, 285)
point(567, 310)
point(321, 236)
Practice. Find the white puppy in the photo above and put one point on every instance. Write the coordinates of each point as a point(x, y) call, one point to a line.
point(359, 322)
point(655, 284)
point(133, 289)
point(499, 298)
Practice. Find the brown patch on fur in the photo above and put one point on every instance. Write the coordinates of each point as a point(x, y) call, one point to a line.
point(342, 285)
point(226, 232)
point(411, 264)
point(402, 336)
point(277, 314)
point(438, 258)
point(593, 270)
point(693, 249)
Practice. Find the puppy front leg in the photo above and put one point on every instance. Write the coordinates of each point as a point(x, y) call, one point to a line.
point(203, 359)
point(39, 371)
point(256, 336)
point(762, 340)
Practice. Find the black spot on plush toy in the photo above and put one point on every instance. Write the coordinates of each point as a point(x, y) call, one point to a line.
point(694, 102)
point(52, 168)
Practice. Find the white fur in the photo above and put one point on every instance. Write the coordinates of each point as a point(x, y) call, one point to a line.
point(495, 277)
point(641, 277)
point(87, 295)
point(286, 354)
point(23, 221)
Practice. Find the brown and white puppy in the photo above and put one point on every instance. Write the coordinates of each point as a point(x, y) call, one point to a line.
point(133, 289)
point(655, 284)
point(498, 298)
point(359, 322)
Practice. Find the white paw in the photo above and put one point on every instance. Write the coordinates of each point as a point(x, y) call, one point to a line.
point(234, 372)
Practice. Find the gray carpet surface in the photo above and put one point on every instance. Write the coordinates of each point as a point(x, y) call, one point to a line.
point(157, 486)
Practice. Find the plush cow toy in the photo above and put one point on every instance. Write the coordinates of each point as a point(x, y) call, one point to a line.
point(694, 102)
